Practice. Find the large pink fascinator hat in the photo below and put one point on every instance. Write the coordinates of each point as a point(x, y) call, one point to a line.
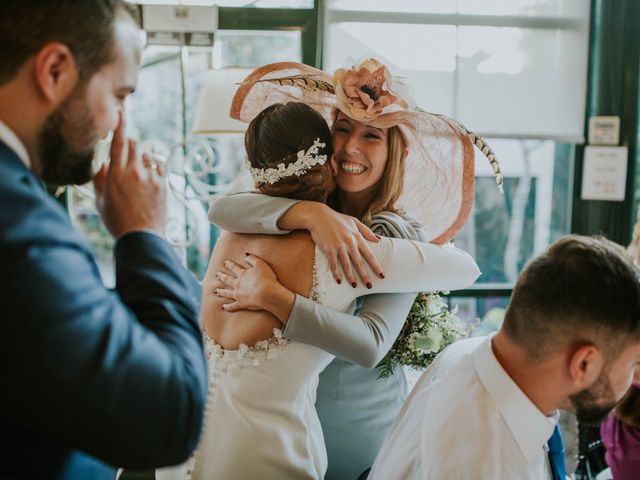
point(439, 172)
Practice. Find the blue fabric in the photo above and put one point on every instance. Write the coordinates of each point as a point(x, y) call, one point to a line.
point(356, 410)
point(91, 376)
point(556, 455)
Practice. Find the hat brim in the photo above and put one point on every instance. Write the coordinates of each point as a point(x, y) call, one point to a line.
point(438, 185)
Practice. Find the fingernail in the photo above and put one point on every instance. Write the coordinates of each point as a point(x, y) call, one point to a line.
point(379, 237)
point(339, 281)
point(368, 284)
point(354, 284)
point(247, 254)
point(382, 275)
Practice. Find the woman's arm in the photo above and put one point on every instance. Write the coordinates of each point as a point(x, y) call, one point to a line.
point(340, 237)
point(363, 339)
point(249, 212)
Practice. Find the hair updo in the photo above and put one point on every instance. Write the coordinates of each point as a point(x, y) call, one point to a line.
point(276, 135)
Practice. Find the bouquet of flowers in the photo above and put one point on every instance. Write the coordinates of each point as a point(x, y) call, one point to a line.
point(429, 328)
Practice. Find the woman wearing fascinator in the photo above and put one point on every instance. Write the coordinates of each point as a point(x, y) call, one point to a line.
point(261, 421)
point(404, 173)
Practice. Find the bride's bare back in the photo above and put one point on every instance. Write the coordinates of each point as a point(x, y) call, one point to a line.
point(290, 257)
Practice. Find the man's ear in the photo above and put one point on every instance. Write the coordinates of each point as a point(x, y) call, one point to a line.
point(55, 71)
point(585, 365)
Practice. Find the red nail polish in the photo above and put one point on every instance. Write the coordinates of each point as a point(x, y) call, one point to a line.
point(382, 275)
point(354, 284)
point(369, 285)
point(246, 254)
point(339, 281)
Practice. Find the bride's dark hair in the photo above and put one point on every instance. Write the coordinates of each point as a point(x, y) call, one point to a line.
point(276, 135)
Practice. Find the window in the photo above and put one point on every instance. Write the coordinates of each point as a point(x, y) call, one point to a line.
point(161, 114)
point(494, 66)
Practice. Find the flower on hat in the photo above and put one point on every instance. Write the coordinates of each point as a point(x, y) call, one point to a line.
point(364, 92)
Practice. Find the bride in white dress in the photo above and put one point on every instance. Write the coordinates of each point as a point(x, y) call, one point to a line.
point(261, 421)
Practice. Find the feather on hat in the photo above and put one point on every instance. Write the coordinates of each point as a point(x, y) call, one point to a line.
point(439, 172)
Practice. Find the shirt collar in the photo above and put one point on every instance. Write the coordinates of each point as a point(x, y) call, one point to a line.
point(529, 426)
point(14, 143)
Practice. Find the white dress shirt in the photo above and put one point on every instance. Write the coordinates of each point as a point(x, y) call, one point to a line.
point(13, 142)
point(466, 419)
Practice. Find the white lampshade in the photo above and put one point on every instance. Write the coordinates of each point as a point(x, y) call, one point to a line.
point(218, 88)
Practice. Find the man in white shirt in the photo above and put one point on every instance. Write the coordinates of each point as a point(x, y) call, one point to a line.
point(487, 407)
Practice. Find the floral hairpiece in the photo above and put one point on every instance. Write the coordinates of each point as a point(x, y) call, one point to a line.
point(305, 161)
point(368, 91)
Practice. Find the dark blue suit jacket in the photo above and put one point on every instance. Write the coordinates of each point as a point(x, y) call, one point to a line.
point(91, 376)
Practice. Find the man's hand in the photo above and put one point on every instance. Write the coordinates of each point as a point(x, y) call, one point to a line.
point(131, 192)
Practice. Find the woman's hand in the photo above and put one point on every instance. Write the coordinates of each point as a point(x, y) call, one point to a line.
point(254, 286)
point(342, 239)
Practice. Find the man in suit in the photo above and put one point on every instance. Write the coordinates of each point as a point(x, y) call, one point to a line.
point(90, 377)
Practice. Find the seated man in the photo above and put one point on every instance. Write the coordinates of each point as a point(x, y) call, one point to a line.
point(487, 407)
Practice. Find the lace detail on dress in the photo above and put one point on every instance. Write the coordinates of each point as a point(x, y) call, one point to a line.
point(230, 361)
point(321, 277)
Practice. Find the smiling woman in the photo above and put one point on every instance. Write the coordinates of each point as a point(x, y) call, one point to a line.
point(371, 163)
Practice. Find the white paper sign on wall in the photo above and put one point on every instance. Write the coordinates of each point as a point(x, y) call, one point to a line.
point(604, 130)
point(604, 176)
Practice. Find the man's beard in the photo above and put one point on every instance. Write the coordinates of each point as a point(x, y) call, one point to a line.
point(592, 405)
point(60, 162)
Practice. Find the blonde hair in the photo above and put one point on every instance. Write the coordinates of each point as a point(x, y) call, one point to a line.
point(392, 181)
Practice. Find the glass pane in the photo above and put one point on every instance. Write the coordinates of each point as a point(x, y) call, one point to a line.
point(553, 8)
point(486, 313)
point(86, 220)
point(508, 81)
point(521, 7)
point(236, 3)
point(251, 48)
point(496, 80)
point(405, 6)
point(432, 73)
point(160, 115)
point(505, 231)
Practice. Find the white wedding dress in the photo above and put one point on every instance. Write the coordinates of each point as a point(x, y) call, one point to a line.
point(260, 421)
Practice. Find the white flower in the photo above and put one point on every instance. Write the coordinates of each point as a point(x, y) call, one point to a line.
point(427, 343)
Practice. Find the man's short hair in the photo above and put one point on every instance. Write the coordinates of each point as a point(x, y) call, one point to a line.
point(84, 26)
point(580, 289)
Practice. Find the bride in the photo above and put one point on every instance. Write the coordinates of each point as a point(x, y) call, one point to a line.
point(261, 421)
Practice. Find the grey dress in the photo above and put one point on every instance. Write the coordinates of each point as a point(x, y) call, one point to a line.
point(356, 409)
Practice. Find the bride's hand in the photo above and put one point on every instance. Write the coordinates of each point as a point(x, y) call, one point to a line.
point(342, 239)
point(245, 284)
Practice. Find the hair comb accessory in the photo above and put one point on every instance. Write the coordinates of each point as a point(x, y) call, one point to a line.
point(306, 160)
